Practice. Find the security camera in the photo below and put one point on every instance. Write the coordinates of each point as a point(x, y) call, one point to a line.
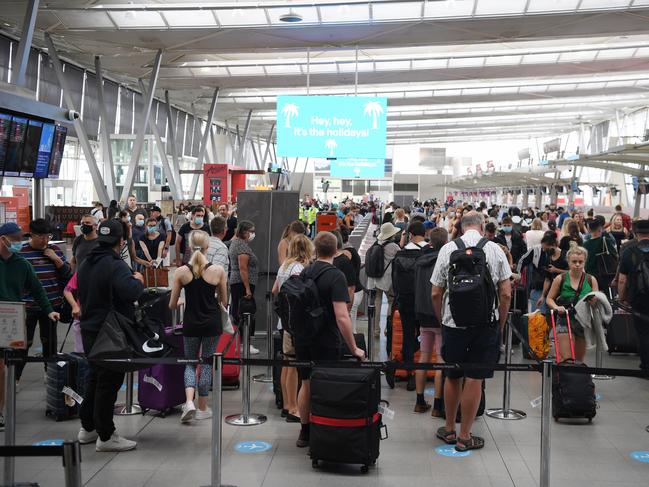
point(72, 115)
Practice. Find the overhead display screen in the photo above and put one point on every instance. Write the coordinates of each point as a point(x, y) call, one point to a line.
point(331, 126)
point(16, 145)
point(30, 150)
point(357, 168)
point(57, 151)
point(44, 151)
point(5, 126)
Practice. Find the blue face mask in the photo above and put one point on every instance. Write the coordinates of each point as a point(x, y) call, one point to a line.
point(507, 229)
point(198, 220)
point(151, 229)
point(139, 223)
point(15, 247)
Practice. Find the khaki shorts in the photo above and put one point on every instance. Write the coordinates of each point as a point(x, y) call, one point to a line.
point(288, 349)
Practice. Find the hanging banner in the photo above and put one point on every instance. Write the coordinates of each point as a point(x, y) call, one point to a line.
point(331, 126)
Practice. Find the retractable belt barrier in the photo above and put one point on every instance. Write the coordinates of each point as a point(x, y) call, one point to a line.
point(73, 471)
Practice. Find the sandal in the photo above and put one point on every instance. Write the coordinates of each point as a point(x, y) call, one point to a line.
point(473, 443)
point(448, 437)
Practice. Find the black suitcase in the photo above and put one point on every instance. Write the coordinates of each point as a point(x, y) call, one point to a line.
point(154, 303)
point(573, 394)
point(277, 370)
point(73, 374)
point(621, 335)
point(345, 422)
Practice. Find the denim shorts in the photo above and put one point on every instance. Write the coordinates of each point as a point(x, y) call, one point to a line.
point(562, 325)
point(477, 345)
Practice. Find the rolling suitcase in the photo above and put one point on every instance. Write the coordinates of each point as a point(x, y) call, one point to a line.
point(162, 387)
point(70, 375)
point(359, 338)
point(573, 394)
point(277, 370)
point(345, 421)
point(534, 329)
point(397, 343)
point(154, 304)
point(230, 347)
point(621, 335)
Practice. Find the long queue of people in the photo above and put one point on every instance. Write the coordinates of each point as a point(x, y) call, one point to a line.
point(569, 264)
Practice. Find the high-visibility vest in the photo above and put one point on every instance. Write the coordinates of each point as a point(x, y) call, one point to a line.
point(301, 214)
point(313, 212)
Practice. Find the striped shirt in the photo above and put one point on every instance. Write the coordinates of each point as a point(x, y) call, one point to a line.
point(46, 274)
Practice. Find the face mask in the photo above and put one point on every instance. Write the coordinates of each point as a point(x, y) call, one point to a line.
point(86, 229)
point(251, 237)
point(507, 229)
point(151, 229)
point(14, 246)
point(139, 223)
point(198, 220)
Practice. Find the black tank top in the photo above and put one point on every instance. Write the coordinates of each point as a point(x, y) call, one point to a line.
point(202, 314)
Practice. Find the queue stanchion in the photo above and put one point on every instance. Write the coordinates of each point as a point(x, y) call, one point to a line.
point(268, 376)
point(10, 415)
point(599, 359)
point(217, 420)
point(129, 408)
point(506, 412)
point(246, 418)
point(72, 463)
point(546, 413)
point(371, 322)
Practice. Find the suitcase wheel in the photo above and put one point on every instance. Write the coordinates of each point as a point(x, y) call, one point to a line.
point(314, 463)
point(365, 469)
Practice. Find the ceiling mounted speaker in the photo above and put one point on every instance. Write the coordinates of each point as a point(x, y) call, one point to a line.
point(290, 18)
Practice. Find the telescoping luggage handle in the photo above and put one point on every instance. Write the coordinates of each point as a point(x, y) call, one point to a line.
point(556, 341)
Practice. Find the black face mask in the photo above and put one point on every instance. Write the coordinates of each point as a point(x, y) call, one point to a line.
point(86, 229)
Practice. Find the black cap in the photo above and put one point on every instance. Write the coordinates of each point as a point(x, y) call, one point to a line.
point(156, 208)
point(110, 232)
point(641, 226)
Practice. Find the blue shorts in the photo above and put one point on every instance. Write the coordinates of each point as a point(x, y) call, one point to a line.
point(476, 345)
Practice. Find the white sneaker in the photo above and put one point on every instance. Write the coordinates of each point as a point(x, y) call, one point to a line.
point(86, 437)
point(253, 350)
point(189, 411)
point(115, 444)
point(207, 414)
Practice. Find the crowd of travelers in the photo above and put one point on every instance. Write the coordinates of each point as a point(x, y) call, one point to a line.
point(555, 255)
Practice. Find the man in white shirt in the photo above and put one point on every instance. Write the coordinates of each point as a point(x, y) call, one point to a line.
point(475, 344)
point(217, 252)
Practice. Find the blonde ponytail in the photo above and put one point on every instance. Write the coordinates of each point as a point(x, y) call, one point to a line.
point(198, 241)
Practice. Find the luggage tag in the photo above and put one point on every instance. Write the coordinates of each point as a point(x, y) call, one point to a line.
point(71, 397)
point(536, 402)
point(386, 412)
point(153, 382)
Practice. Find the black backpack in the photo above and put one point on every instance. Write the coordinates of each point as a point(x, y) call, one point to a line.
point(424, 268)
point(638, 281)
point(374, 260)
point(299, 306)
point(403, 278)
point(471, 291)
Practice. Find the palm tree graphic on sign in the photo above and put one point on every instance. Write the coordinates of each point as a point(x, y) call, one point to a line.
point(290, 110)
point(331, 145)
point(373, 109)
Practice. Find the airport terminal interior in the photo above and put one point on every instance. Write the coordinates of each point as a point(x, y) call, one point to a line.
point(359, 117)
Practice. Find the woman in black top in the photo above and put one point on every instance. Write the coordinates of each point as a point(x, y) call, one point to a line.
point(555, 263)
point(573, 236)
point(202, 324)
point(151, 244)
point(352, 254)
point(344, 264)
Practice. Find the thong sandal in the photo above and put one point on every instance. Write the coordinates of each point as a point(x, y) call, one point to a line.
point(473, 443)
point(448, 437)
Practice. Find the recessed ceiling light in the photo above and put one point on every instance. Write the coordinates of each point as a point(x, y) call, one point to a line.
point(291, 17)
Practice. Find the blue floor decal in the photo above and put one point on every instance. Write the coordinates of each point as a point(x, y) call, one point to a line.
point(252, 447)
point(450, 451)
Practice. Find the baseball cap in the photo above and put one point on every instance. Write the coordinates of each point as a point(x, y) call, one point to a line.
point(9, 228)
point(428, 224)
point(156, 208)
point(110, 231)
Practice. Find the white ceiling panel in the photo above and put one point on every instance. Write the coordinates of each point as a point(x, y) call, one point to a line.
point(396, 11)
point(133, 19)
point(448, 8)
point(345, 13)
point(190, 18)
point(498, 7)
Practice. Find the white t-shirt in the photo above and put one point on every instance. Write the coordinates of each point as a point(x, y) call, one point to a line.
point(496, 260)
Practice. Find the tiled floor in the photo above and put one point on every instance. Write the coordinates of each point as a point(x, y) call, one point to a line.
point(171, 454)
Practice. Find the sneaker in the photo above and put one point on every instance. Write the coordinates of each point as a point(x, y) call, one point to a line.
point(189, 412)
point(114, 444)
point(86, 436)
point(207, 414)
point(411, 386)
point(422, 408)
point(253, 350)
point(2, 422)
point(303, 440)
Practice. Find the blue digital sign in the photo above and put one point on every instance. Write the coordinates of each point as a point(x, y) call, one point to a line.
point(331, 126)
point(44, 151)
point(357, 168)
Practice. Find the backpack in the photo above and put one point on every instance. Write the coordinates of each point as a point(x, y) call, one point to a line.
point(638, 281)
point(163, 230)
point(471, 291)
point(424, 267)
point(403, 278)
point(375, 260)
point(300, 308)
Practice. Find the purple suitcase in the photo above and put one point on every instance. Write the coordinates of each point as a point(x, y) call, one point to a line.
point(162, 387)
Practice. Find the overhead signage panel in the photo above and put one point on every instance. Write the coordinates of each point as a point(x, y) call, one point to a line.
point(331, 126)
point(358, 168)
